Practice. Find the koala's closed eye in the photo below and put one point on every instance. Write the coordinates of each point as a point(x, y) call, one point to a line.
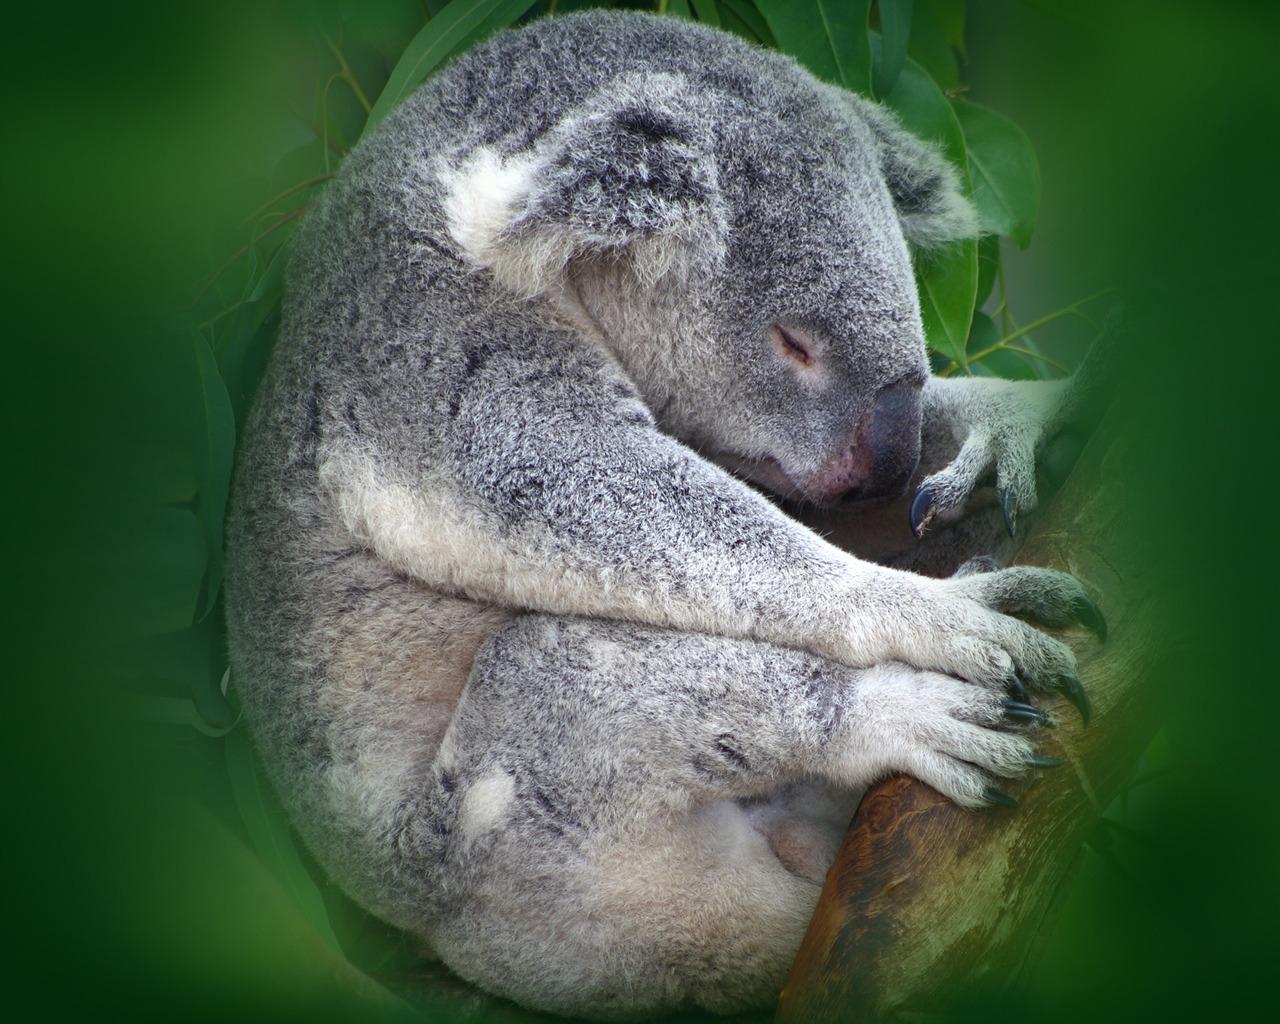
point(793, 344)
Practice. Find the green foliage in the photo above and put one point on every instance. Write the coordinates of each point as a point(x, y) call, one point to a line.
point(1006, 177)
point(901, 52)
point(457, 27)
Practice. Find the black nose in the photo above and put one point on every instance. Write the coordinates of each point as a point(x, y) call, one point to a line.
point(890, 438)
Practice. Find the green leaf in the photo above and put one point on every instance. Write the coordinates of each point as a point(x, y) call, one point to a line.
point(895, 32)
point(947, 285)
point(1006, 177)
point(706, 11)
point(679, 9)
point(1002, 363)
point(161, 555)
point(751, 17)
point(948, 281)
point(931, 48)
point(988, 268)
point(173, 711)
point(439, 39)
point(268, 828)
point(926, 112)
point(829, 37)
point(949, 15)
point(214, 446)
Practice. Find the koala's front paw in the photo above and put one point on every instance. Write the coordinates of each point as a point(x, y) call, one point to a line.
point(963, 626)
point(1000, 426)
point(956, 737)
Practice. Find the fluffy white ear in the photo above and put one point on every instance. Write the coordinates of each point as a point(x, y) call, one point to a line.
point(630, 173)
point(932, 206)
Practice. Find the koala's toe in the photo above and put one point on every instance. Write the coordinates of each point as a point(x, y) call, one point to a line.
point(1016, 479)
point(1049, 597)
point(1039, 660)
point(943, 495)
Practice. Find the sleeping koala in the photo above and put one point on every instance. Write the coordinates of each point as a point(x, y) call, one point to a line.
point(537, 675)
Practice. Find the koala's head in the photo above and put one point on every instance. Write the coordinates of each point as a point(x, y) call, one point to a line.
point(745, 251)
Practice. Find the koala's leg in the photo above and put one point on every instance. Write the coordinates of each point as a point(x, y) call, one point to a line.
point(597, 796)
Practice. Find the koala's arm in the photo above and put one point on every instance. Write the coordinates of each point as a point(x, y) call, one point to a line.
point(536, 478)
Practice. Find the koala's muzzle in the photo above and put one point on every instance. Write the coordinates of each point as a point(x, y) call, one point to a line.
point(883, 455)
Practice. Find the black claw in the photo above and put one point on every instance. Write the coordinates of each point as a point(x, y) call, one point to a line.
point(998, 796)
point(1089, 615)
point(1008, 507)
point(1042, 761)
point(922, 510)
point(1070, 688)
point(1017, 712)
point(1018, 690)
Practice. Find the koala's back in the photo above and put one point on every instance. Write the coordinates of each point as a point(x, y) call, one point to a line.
point(350, 670)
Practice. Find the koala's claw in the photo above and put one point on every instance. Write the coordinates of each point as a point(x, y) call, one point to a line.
point(1044, 761)
point(1069, 686)
point(922, 511)
point(1018, 689)
point(1090, 616)
point(1009, 509)
point(1000, 797)
point(1016, 711)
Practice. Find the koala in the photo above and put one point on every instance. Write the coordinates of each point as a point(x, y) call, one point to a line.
point(538, 665)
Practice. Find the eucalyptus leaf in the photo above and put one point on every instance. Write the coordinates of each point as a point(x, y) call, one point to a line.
point(829, 37)
point(930, 47)
point(748, 14)
point(949, 15)
point(988, 268)
point(679, 9)
point(268, 829)
point(730, 22)
point(1006, 176)
point(437, 41)
point(162, 555)
point(983, 334)
point(928, 113)
point(172, 711)
point(214, 447)
point(948, 281)
point(947, 285)
point(706, 12)
point(895, 33)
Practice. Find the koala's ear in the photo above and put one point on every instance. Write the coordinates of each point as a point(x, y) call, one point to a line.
point(629, 173)
point(926, 190)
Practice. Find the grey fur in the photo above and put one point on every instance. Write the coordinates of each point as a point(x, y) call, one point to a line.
point(535, 678)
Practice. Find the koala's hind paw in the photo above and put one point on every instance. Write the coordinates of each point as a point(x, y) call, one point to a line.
point(949, 734)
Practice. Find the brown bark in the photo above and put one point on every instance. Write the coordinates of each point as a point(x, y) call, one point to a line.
point(926, 901)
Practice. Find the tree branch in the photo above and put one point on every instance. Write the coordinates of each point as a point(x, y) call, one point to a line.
point(926, 901)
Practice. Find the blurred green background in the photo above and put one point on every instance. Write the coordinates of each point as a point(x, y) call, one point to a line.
point(147, 872)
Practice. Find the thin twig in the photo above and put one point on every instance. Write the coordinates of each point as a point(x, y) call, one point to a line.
point(330, 143)
point(1003, 343)
point(348, 76)
point(1036, 355)
point(1037, 324)
point(286, 194)
point(223, 269)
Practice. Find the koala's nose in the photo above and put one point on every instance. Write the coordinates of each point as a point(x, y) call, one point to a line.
point(886, 447)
